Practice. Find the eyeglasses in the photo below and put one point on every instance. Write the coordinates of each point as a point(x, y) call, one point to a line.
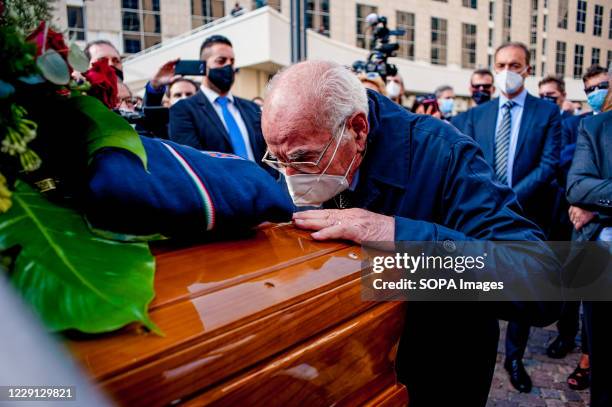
point(128, 100)
point(602, 85)
point(483, 86)
point(302, 166)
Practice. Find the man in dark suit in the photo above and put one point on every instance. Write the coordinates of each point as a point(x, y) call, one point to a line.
point(420, 180)
point(481, 88)
point(589, 187)
point(519, 135)
point(214, 119)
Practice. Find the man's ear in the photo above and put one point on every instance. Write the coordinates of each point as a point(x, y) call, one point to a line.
point(360, 126)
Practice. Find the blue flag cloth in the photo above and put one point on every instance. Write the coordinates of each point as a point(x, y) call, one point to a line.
point(183, 192)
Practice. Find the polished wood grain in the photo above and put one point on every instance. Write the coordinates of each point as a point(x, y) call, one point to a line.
point(233, 307)
point(346, 365)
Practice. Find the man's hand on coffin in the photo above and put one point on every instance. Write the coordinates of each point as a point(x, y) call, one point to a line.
point(357, 225)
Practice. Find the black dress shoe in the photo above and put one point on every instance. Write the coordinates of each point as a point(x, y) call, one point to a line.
point(559, 348)
point(518, 375)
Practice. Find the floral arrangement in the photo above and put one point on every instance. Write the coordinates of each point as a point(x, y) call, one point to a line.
point(51, 125)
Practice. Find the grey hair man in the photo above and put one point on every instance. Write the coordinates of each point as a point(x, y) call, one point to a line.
point(445, 95)
point(381, 173)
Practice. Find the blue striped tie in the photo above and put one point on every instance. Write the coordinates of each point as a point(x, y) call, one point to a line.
point(502, 142)
point(233, 129)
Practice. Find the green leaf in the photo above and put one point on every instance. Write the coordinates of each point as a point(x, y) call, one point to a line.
point(105, 128)
point(6, 89)
point(33, 79)
point(77, 58)
point(72, 279)
point(53, 67)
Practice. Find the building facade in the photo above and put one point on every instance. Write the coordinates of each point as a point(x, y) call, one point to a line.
point(565, 36)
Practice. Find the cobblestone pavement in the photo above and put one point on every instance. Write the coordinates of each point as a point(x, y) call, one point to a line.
point(548, 375)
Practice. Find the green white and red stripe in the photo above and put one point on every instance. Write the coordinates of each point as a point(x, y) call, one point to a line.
point(208, 205)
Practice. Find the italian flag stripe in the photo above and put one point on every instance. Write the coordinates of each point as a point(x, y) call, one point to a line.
point(208, 205)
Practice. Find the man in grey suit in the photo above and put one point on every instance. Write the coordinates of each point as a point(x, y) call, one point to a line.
point(589, 191)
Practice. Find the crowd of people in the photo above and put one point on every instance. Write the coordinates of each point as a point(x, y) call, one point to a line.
point(532, 167)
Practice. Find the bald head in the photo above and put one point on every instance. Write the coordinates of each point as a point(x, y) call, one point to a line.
point(312, 94)
point(307, 105)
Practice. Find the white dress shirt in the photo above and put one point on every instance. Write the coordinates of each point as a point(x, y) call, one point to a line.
point(212, 96)
point(516, 116)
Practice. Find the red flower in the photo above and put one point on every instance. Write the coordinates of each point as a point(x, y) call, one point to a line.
point(103, 80)
point(54, 40)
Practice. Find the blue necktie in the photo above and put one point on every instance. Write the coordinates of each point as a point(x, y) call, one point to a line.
point(233, 129)
point(502, 142)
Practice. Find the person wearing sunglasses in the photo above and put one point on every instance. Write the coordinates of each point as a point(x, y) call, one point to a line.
point(380, 173)
point(481, 88)
point(596, 86)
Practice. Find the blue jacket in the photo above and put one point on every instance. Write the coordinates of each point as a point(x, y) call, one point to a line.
point(183, 192)
point(436, 183)
point(537, 152)
point(194, 122)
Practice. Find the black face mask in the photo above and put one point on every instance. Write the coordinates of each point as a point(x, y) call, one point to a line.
point(118, 72)
point(552, 99)
point(481, 97)
point(222, 78)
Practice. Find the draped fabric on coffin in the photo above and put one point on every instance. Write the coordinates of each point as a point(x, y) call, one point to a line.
point(183, 191)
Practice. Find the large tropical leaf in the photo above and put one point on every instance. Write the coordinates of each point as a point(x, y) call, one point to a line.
point(105, 128)
point(73, 279)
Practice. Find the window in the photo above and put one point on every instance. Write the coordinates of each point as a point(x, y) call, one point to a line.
point(610, 29)
point(598, 20)
point(581, 16)
point(490, 43)
point(545, 23)
point(534, 6)
point(405, 21)
point(545, 3)
point(563, 13)
point(544, 46)
point(438, 41)
point(578, 61)
point(609, 58)
point(490, 61)
point(362, 12)
point(470, 4)
point(442, 1)
point(543, 69)
point(76, 23)
point(533, 39)
point(560, 61)
point(532, 52)
point(507, 20)
point(317, 16)
point(468, 46)
point(595, 56)
point(205, 11)
point(141, 23)
point(492, 11)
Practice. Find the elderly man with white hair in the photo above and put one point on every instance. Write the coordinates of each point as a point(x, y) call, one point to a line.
point(381, 173)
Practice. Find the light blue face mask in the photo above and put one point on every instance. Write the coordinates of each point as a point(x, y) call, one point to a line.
point(446, 106)
point(596, 99)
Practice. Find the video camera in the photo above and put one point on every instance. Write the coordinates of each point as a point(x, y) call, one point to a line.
point(381, 48)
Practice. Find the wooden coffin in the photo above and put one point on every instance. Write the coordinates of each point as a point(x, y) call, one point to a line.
point(276, 319)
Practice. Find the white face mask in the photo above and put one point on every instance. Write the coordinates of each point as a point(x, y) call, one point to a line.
point(509, 81)
point(314, 189)
point(393, 89)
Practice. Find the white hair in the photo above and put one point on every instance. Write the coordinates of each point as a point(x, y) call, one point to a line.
point(328, 92)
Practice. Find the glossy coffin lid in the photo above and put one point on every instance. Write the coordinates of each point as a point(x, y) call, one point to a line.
point(276, 319)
